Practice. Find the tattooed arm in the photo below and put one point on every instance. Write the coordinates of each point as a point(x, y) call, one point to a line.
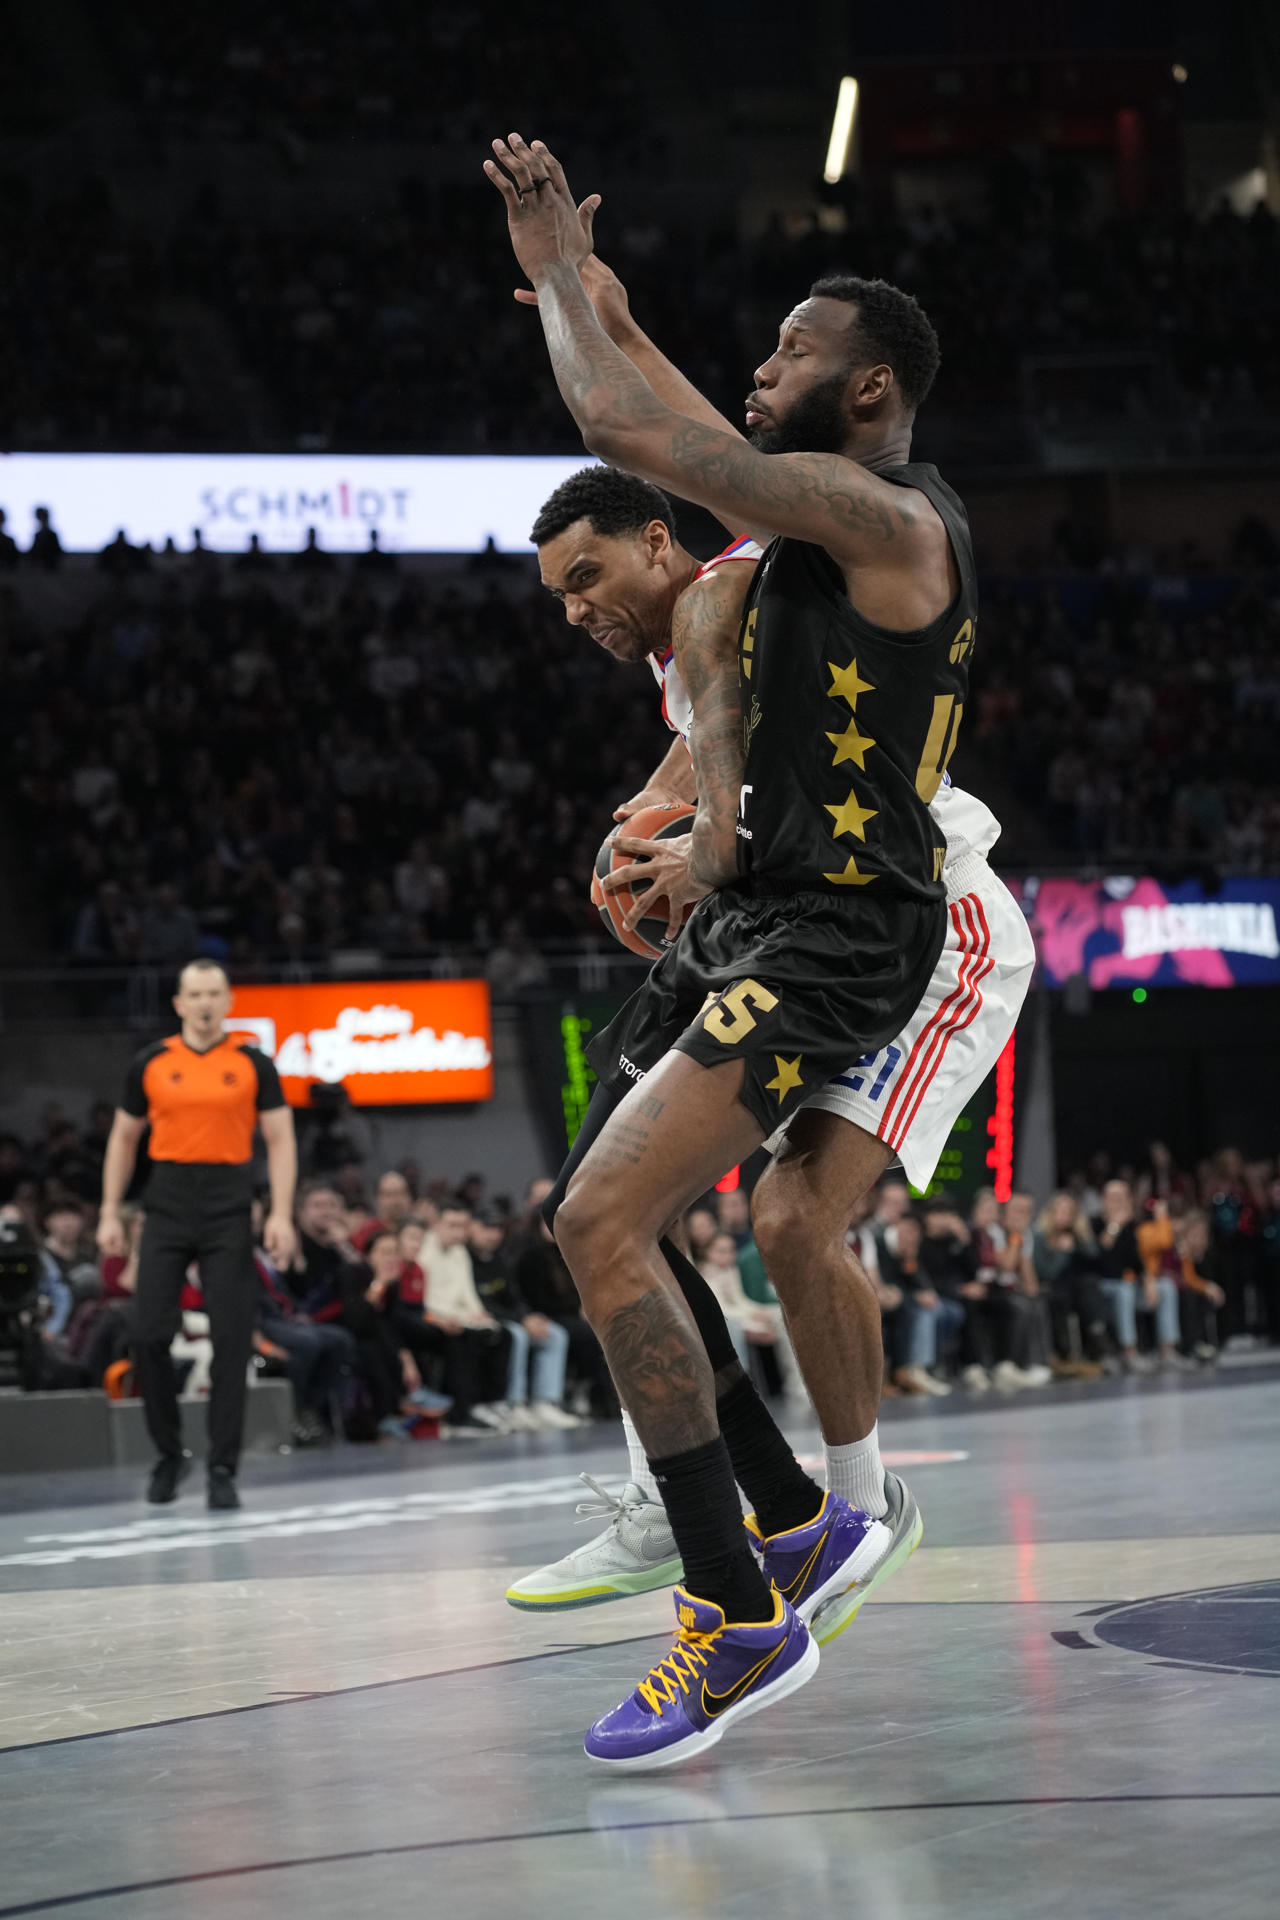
point(823, 498)
point(704, 635)
point(819, 497)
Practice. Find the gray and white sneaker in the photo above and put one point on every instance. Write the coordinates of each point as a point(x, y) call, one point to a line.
point(521, 1418)
point(636, 1553)
point(493, 1413)
point(906, 1532)
point(553, 1418)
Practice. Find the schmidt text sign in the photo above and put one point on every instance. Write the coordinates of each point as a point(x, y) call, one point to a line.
point(388, 1042)
point(416, 503)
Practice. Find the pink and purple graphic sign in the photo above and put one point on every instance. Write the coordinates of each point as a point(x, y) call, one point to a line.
point(1139, 932)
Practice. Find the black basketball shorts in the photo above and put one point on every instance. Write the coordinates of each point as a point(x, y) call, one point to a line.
point(797, 985)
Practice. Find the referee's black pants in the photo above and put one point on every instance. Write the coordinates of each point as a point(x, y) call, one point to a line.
point(219, 1238)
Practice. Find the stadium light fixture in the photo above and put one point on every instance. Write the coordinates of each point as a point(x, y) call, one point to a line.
point(842, 125)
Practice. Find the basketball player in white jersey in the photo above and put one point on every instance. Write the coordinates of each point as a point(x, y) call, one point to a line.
point(623, 579)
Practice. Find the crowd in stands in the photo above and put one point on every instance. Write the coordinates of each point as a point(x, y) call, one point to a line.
point(279, 762)
point(411, 1308)
point(1135, 713)
point(272, 759)
point(389, 325)
point(405, 1302)
point(87, 330)
point(333, 71)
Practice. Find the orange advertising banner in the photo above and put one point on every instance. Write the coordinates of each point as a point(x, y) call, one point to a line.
point(388, 1042)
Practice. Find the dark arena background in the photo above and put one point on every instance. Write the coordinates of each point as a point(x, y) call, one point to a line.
point(282, 692)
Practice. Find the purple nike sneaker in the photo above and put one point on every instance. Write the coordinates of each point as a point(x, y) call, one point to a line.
point(715, 1673)
point(826, 1569)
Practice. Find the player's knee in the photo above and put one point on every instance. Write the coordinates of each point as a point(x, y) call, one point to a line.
point(778, 1217)
point(789, 1228)
point(585, 1225)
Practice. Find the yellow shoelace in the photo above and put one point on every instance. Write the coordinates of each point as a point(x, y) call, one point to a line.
point(658, 1688)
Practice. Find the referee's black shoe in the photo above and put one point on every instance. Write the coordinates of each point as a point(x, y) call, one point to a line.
point(223, 1497)
point(167, 1476)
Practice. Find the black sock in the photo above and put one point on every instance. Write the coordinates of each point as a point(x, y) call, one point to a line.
point(703, 1305)
point(701, 1499)
point(764, 1466)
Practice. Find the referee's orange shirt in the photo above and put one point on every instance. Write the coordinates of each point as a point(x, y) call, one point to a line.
point(203, 1107)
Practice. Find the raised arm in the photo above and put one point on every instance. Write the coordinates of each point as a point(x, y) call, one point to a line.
point(822, 498)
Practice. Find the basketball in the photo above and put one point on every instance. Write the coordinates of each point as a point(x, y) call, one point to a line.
point(651, 823)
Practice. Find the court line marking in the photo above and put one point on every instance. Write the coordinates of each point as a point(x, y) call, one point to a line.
point(181, 1533)
point(302, 1699)
point(52, 1902)
point(305, 1698)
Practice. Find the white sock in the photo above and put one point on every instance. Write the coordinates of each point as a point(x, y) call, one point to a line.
point(855, 1473)
point(638, 1463)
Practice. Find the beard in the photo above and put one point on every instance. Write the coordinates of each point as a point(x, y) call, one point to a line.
point(636, 647)
point(815, 424)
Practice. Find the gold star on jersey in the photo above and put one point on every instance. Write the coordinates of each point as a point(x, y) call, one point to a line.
point(845, 684)
point(852, 875)
point(849, 817)
point(851, 745)
point(787, 1078)
point(855, 724)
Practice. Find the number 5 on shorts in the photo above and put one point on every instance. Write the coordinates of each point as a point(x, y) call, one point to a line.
point(737, 1002)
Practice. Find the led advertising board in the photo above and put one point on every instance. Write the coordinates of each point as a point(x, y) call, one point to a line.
point(388, 1042)
point(417, 503)
point(1147, 932)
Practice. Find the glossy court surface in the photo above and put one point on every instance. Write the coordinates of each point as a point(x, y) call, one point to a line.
point(1068, 1704)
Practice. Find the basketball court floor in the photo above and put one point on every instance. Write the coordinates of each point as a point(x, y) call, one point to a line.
point(1066, 1706)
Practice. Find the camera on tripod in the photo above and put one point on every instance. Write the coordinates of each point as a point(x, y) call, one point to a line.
point(20, 1304)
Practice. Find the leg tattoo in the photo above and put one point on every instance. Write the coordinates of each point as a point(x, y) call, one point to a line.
point(660, 1368)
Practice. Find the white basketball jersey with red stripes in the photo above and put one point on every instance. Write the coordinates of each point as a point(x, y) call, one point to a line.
point(910, 1094)
point(677, 709)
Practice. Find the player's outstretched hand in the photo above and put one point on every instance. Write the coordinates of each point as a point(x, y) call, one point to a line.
point(543, 220)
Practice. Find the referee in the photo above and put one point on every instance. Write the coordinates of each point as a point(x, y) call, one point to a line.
point(203, 1091)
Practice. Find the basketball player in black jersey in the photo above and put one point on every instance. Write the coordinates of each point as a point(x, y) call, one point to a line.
point(852, 670)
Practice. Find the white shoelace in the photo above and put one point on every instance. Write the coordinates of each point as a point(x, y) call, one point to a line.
point(608, 1504)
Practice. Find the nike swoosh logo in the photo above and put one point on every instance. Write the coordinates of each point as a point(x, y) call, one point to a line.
point(714, 1704)
point(792, 1591)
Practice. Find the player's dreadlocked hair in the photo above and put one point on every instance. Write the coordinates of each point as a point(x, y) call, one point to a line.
point(891, 326)
point(614, 502)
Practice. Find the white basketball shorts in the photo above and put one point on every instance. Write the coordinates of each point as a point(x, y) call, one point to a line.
point(911, 1092)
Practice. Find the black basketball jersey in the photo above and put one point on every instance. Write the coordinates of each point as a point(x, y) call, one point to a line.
point(848, 726)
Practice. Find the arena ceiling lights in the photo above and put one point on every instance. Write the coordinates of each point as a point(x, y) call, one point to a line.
point(416, 503)
point(843, 123)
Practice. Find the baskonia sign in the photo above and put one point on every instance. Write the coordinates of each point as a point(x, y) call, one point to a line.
point(1140, 931)
point(389, 1043)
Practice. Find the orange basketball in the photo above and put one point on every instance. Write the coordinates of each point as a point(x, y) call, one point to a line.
point(651, 823)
